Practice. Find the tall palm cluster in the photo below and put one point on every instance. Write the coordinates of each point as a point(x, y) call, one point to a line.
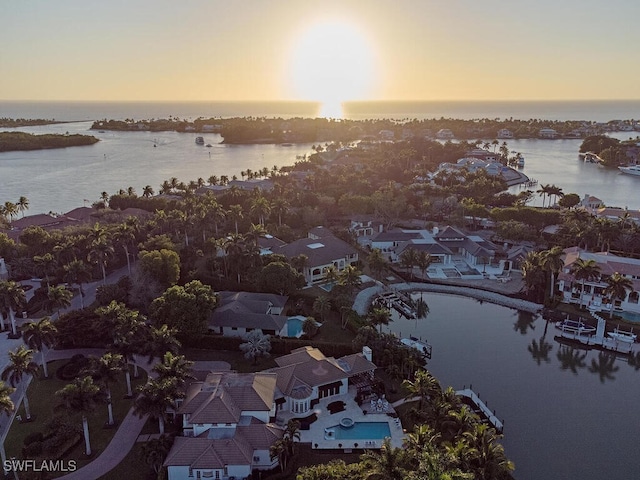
point(9, 211)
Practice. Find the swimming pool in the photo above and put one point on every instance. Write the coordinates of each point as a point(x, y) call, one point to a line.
point(629, 316)
point(360, 431)
point(294, 326)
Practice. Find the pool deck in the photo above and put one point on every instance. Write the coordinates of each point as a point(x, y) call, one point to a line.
point(316, 434)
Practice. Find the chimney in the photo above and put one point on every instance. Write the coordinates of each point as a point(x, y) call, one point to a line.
point(366, 353)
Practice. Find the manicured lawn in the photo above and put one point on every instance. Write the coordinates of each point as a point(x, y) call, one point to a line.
point(44, 404)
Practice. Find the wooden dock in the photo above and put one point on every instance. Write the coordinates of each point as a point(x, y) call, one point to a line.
point(473, 401)
point(398, 301)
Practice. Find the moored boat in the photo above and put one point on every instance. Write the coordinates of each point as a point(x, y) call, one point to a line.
point(200, 140)
point(622, 336)
point(630, 169)
point(573, 326)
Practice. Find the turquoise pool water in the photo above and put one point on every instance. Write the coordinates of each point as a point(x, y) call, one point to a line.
point(362, 431)
point(294, 327)
point(327, 286)
point(630, 316)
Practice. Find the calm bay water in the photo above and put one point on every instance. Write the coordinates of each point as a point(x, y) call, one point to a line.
point(558, 424)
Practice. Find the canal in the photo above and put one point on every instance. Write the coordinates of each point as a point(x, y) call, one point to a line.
point(568, 413)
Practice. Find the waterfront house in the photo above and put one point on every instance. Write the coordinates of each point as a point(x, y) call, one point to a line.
point(593, 295)
point(227, 427)
point(239, 313)
point(504, 133)
point(547, 133)
point(365, 227)
point(306, 375)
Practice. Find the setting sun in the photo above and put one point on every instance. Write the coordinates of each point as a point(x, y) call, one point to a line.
point(332, 62)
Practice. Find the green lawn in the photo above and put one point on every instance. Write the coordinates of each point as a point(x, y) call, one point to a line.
point(44, 404)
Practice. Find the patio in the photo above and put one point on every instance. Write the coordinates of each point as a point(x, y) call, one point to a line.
point(358, 414)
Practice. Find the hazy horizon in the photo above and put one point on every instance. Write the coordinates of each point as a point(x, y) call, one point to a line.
point(337, 51)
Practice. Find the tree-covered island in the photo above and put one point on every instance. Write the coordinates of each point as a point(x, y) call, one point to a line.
point(308, 130)
point(25, 122)
point(11, 141)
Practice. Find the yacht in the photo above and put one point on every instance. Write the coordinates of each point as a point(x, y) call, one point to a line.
point(630, 169)
point(622, 336)
point(200, 140)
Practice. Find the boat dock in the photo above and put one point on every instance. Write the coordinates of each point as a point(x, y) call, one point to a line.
point(398, 301)
point(599, 340)
point(473, 401)
point(423, 347)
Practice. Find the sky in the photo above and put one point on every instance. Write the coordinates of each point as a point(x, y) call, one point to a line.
point(330, 50)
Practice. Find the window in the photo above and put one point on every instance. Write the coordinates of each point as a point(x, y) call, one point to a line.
point(256, 459)
point(217, 474)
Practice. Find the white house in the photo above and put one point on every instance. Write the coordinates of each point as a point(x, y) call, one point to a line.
point(445, 134)
point(504, 133)
point(593, 295)
point(227, 427)
point(547, 133)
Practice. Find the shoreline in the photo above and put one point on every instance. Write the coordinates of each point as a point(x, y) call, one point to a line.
point(363, 298)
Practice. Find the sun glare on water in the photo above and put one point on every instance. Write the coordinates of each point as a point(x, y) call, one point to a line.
point(332, 62)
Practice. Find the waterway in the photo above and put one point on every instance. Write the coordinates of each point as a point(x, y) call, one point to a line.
point(568, 415)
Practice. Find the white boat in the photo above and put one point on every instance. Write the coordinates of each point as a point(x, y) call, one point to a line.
point(423, 347)
point(200, 140)
point(578, 327)
point(630, 169)
point(520, 162)
point(622, 336)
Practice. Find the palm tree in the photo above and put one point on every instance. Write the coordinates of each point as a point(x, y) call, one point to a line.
point(154, 452)
point(309, 327)
point(106, 370)
point(584, 270)
point(174, 366)
point(6, 406)
point(387, 465)
point(321, 305)
point(39, 336)
point(147, 191)
point(77, 273)
point(260, 206)
point(126, 342)
point(379, 316)
point(21, 364)
point(280, 207)
point(552, 262)
point(155, 398)
point(45, 265)
point(488, 460)
point(82, 396)
point(58, 297)
point(424, 261)
point(424, 386)
point(616, 289)
point(161, 340)
point(99, 254)
point(350, 278)
point(408, 259)
point(12, 300)
point(533, 274)
point(23, 205)
point(377, 262)
point(571, 359)
point(125, 236)
point(235, 212)
point(257, 345)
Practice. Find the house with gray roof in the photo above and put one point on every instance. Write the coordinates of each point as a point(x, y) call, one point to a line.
point(239, 313)
point(322, 250)
point(227, 427)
